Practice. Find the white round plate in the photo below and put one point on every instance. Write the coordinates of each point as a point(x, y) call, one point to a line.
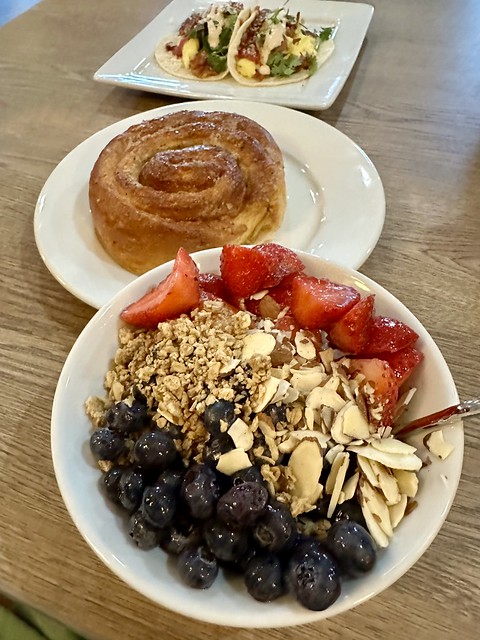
point(335, 207)
point(227, 601)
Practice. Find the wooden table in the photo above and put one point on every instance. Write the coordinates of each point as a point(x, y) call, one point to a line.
point(412, 103)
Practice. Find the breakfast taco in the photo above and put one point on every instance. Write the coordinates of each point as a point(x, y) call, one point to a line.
point(273, 47)
point(198, 51)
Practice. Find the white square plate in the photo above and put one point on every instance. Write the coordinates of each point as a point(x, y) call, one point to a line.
point(134, 65)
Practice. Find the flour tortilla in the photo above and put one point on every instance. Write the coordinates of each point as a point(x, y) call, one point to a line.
point(324, 52)
point(174, 66)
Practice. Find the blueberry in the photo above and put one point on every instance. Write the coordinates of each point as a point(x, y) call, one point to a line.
point(106, 445)
point(130, 489)
point(215, 447)
point(155, 450)
point(171, 478)
point(142, 533)
point(276, 529)
point(250, 474)
point(225, 544)
point(216, 413)
point(352, 546)
point(180, 535)
point(126, 419)
point(349, 510)
point(264, 577)
point(111, 481)
point(242, 505)
point(159, 505)
point(200, 491)
point(277, 412)
point(197, 567)
point(313, 576)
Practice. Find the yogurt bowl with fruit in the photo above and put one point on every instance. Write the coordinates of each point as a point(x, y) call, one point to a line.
point(225, 436)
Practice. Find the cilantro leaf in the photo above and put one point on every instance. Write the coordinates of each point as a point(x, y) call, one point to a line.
point(281, 65)
point(326, 34)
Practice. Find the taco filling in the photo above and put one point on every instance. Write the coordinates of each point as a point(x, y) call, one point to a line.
point(202, 41)
point(276, 45)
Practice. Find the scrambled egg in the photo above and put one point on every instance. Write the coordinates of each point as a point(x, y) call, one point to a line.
point(246, 67)
point(189, 51)
point(304, 46)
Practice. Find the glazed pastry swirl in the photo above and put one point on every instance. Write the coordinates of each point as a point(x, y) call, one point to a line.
point(193, 179)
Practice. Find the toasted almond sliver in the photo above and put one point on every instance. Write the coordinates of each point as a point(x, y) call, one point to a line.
point(409, 462)
point(354, 423)
point(258, 343)
point(323, 396)
point(349, 488)
point(332, 476)
point(366, 469)
point(240, 433)
point(392, 445)
point(386, 482)
point(339, 480)
point(407, 482)
point(301, 434)
point(304, 380)
point(376, 532)
point(304, 346)
point(376, 504)
point(337, 427)
point(270, 388)
point(397, 511)
point(332, 453)
point(436, 443)
point(232, 461)
point(306, 463)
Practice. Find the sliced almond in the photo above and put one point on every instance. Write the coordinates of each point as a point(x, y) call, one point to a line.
point(258, 343)
point(232, 461)
point(337, 427)
point(349, 488)
point(333, 452)
point(392, 445)
point(436, 443)
point(241, 435)
point(387, 482)
point(229, 366)
point(407, 482)
point(306, 463)
point(270, 387)
point(409, 462)
point(354, 423)
point(366, 469)
point(343, 459)
point(322, 439)
point(397, 511)
point(304, 346)
point(377, 506)
point(309, 417)
point(376, 532)
point(259, 295)
point(304, 380)
point(332, 476)
point(325, 397)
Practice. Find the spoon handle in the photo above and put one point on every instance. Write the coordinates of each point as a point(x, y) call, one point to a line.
point(441, 418)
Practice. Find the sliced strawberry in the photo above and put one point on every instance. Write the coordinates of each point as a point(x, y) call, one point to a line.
point(319, 303)
point(178, 293)
point(243, 270)
point(281, 262)
point(403, 362)
point(351, 332)
point(389, 335)
point(384, 382)
point(212, 284)
point(282, 293)
point(287, 323)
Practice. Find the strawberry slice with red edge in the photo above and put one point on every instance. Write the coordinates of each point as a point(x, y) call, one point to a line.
point(382, 378)
point(388, 335)
point(280, 262)
point(177, 294)
point(243, 270)
point(351, 332)
point(317, 303)
point(282, 292)
point(212, 286)
point(403, 362)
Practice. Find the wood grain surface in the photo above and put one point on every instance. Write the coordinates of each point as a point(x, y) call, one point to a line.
point(412, 103)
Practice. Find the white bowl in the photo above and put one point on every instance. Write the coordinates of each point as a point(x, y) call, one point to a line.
point(227, 601)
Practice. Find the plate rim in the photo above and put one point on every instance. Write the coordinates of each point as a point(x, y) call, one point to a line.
point(112, 73)
point(239, 106)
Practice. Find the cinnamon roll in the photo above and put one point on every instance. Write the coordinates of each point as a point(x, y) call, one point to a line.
point(192, 178)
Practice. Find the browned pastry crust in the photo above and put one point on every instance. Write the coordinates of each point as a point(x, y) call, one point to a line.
point(191, 178)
